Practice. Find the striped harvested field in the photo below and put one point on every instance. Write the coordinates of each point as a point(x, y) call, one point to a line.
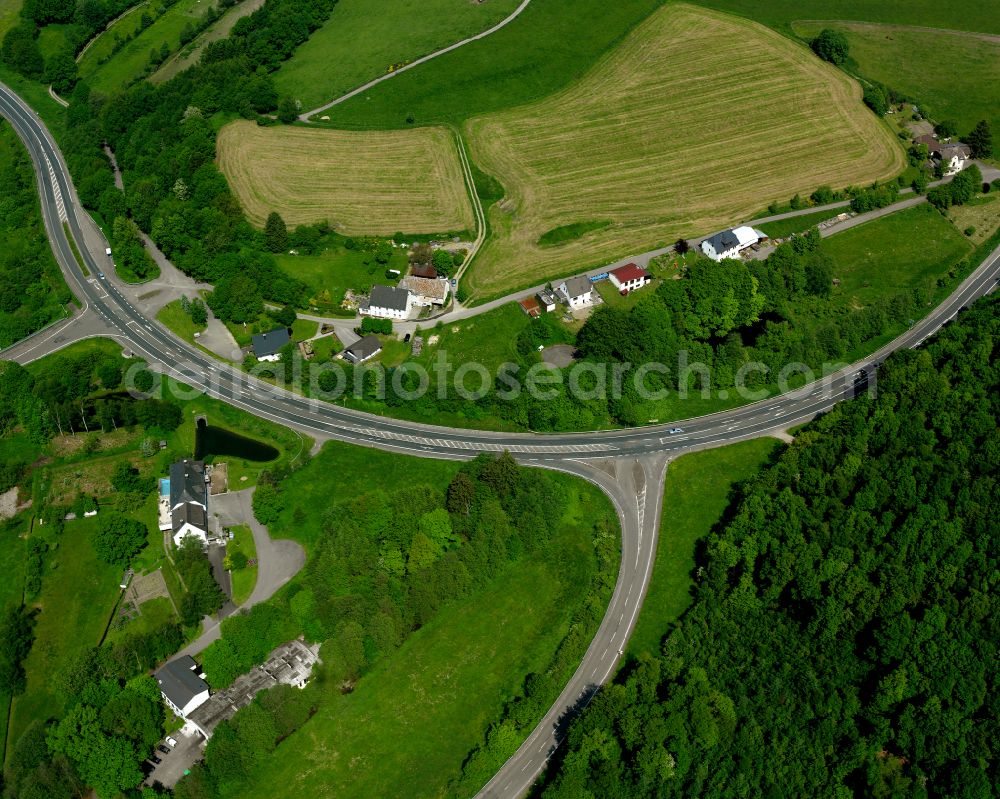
point(697, 120)
point(361, 182)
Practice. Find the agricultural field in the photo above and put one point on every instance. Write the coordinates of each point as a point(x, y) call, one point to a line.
point(360, 182)
point(131, 61)
point(696, 493)
point(362, 41)
point(679, 78)
point(526, 60)
point(982, 215)
point(899, 56)
point(965, 15)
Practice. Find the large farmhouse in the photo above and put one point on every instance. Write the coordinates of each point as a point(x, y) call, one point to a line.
point(181, 686)
point(426, 291)
point(730, 243)
point(387, 302)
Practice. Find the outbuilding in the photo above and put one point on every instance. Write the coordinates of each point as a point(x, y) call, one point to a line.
point(267, 346)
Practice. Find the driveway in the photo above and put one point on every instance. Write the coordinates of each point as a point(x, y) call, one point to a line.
point(182, 757)
point(277, 562)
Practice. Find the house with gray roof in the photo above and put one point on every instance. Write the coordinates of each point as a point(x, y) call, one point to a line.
point(387, 302)
point(730, 243)
point(182, 686)
point(363, 349)
point(188, 500)
point(576, 292)
point(267, 346)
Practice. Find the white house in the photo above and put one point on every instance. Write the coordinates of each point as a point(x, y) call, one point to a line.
point(426, 291)
point(730, 243)
point(362, 349)
point(954, 157)
point(188, 501)
point(576, 292)
point(181, 686)
point(546, 300)
point(387, 302)
point(629, 278)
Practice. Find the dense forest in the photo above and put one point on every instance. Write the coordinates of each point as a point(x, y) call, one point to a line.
point(845, 631)
point(383, 566)
point(32, 291)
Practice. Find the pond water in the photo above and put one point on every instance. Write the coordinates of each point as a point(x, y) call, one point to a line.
point(213, 441)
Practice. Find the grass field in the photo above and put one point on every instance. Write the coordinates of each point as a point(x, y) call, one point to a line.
point(331, 272)
point(908, 249)
point(797, 224)
point(179, 321)
point(78, 594)
point(102, 45)
point(362, 40)
point(190, 54)
point(983, 214)
point(685, 75)
point(966, 15)
point(900, 57)
point(10, 11)
point(695, 495)
point(130, 62)
point(542, 51)
point(243, 579)
point(372, 183)
point(409, 724)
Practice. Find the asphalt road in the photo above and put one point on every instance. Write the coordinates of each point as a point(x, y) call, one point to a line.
point(627, 464)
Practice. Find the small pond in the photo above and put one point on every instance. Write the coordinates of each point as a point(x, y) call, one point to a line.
point(211, 441)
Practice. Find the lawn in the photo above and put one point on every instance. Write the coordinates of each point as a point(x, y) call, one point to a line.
point(243, 579)
point(179, 321)
point(983, 214)
point(696, 493)
point(130, 63)
point(335, 270)
point(412, 720)
point(10, 11)
point(899, 57)
point(376, 182)
point(489, 339)
point(966, 15)
point(342, 470)
point(796, 224)
point(78, 594)
point(567, 160)
point(542, 51)
point(363, 40)
point(910, 249)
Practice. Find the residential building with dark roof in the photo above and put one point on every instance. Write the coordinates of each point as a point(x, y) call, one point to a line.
point(363, 349)
point(387, 302)
point(730, 243)
point(188, 500)
point(181, 686)
point(267, 346)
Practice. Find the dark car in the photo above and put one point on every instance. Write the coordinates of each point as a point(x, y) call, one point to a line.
point(162, 748)
point(406, 338)
point(155, 759)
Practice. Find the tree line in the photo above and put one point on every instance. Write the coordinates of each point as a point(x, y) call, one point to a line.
point(843, 637)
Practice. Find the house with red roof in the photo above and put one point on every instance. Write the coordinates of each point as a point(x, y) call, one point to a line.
point(629, 278)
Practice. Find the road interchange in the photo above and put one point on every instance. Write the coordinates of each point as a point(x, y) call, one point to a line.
point(628, 465)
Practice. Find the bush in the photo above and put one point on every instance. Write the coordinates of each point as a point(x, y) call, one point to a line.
point(875, 99)
point(831, 46)
point(970, 230)
point(372, 325)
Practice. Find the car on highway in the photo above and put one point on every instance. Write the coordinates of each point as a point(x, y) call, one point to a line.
point(675, 430)
point(101, 275)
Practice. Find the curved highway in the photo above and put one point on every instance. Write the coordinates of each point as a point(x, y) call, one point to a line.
point(627, 464)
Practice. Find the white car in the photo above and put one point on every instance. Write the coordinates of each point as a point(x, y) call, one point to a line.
point(171, 741)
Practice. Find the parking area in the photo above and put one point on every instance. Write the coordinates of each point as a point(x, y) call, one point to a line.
point(190, 745)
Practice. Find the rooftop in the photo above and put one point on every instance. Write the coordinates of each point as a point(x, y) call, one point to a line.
point(579, 286)
point(179, 682)
point(363, 349)
point(630, 272)
point(426, 287)
point(388, 297)
point(187, 483)
point(270, 342)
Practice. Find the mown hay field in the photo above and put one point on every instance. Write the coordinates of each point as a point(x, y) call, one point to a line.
point(693, 123)
point(361, 182)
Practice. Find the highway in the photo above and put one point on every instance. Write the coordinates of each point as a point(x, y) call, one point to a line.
point(627, 464)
